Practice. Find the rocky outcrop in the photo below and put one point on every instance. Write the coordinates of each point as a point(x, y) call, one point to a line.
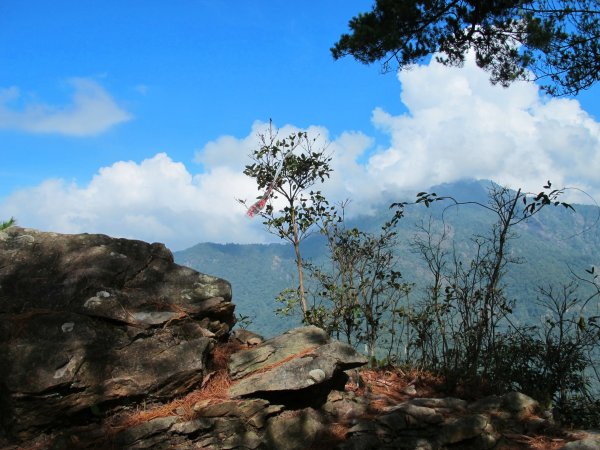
point(436, 423)
point(88, 322)
point(345, 421)
point(106, 343)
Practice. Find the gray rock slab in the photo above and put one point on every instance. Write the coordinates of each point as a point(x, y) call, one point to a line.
point(462, 428)
point(145, 430)
point(192, 426)
point(447, 403)
point(275, 350)
point(519, 403)
point(295, 431)
point(247, 337)
point(420, 414)
point(95, 275)
point(295, 360)
point(583, 444)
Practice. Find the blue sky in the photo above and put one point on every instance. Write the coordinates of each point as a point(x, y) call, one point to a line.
point(135, 118)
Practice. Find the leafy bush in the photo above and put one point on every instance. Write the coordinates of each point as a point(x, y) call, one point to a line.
point(580, 411)
point(547, 370)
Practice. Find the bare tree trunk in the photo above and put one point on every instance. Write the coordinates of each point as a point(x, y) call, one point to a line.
point(299, 264)
point(491, 318)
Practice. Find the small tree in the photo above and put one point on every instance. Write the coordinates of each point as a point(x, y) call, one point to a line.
point(356, 294)
point(430, 322)
point(550, 361)
point(567, 341)
point(298, 166)
point(458, 328)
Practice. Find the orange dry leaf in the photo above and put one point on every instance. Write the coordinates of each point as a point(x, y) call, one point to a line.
point(214, 387)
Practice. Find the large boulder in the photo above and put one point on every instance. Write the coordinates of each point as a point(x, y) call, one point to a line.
point(301, 358)
point(89, 322)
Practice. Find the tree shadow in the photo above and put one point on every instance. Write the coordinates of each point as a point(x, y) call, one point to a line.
point(91, 324)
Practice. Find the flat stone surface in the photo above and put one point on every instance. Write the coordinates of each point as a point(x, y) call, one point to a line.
point(298, 359)
point(444, 403)
point(192, 426)
point(419, 413)
point(275, 350)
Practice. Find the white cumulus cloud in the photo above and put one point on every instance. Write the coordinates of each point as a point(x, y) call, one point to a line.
point(91, 111)
point(457, 126)
point(157, 199)
point(460, 126)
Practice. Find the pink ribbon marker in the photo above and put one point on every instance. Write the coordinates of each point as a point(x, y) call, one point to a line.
point(261, 202)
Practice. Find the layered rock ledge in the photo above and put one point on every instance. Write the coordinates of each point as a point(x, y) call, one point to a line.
point(88, 322)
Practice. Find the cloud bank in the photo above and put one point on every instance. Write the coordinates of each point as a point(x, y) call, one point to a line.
point(457, 126)
point(157, 199)
point(460, 126)
point(91, 111)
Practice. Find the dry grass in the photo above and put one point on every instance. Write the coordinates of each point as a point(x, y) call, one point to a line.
point(382, 388)
point(214, 388)
point(386, 388)
point(524, 442)
point(333, 435)
point(222, 352)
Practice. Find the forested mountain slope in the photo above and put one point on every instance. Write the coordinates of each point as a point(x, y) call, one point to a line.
point(550, 245)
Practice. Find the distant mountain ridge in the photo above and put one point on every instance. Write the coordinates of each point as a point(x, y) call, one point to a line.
point(553, 243)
